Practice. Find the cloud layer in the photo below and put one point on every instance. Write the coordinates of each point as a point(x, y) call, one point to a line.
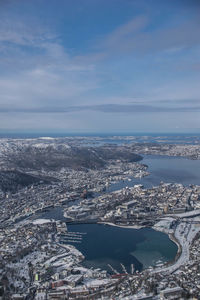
point(138, 64)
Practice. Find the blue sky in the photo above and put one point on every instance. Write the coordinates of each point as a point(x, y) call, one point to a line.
point(100, 66)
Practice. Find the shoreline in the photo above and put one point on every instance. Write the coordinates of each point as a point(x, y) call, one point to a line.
point(183, 243)
point(170, 235)
point(121, 226)
point(174, 240)
point(167, 264)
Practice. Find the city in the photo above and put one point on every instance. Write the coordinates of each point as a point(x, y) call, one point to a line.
point(39, 256)
point(99, 150)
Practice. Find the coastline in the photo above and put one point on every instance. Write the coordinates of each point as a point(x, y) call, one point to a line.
point(171, 236)
point(183, 242)
point(179, 252)
point(183, 253)
point(121, 226)
point(176, 241)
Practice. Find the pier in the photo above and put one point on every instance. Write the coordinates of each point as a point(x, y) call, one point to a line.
point(72, 237)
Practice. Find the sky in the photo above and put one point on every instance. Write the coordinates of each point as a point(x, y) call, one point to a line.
point(100, 66)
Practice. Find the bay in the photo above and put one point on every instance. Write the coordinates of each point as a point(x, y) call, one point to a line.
point(103, 245)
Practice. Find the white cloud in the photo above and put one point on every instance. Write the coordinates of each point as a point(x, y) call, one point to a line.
point(39, 74)
point(43, 74)
point(139, 36)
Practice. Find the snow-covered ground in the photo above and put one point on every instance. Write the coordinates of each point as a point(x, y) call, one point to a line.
point(187, 214)
point(184, 233)
point(41, 221)
point(122, 226)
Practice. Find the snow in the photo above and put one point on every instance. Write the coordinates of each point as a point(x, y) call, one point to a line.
point(192, 213)
point(40, 296)
point(185, 232)
point(97, 282)
point(72, 250)
point(40, 146)
point(122, 226)
point(41, 221)
point(164, 225)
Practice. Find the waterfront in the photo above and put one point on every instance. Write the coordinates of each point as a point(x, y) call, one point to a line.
point(151, 226)
point(172, 169)
point(166, 169)
point(142, 247)
point(103, 245)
